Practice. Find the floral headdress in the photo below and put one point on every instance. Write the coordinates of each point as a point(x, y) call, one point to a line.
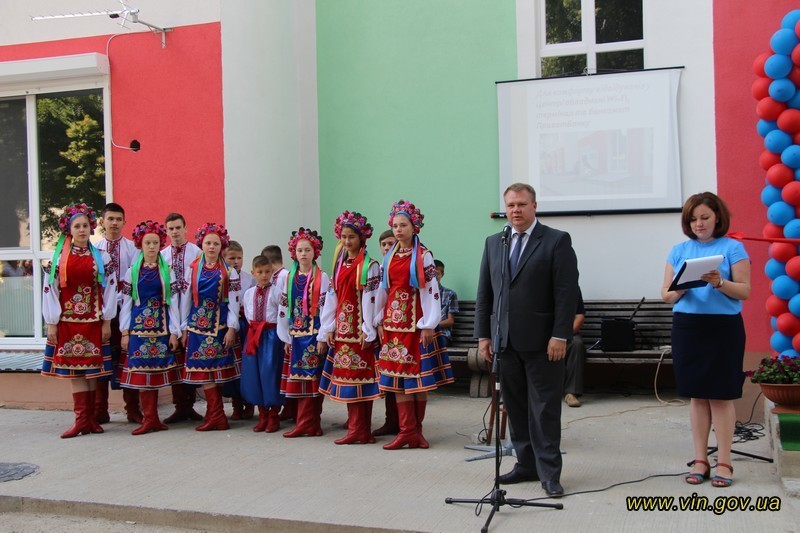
point(64, 244)
point(402, 207)
point(212, 227)
point(75, 210)
point(311, 294)
point(358, 223)
point(304, 234)
point(142, 229)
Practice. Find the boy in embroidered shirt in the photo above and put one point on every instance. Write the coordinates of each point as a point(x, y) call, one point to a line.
point(122, 252)
point(274, 254)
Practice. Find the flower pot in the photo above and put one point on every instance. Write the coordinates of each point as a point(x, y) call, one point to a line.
point(787, 394)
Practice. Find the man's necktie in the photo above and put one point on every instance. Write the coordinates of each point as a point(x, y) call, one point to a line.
point(515, 253)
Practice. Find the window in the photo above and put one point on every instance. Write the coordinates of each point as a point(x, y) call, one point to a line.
point(52, 153)
point(570, 42)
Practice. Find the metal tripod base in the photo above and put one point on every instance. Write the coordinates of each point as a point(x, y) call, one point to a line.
point(498, 499)
point(713, 450)
point(507, 450)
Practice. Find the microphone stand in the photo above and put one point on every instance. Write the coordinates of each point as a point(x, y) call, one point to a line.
point(497, 497)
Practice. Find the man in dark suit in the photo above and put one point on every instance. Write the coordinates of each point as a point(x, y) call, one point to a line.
point(541, 289)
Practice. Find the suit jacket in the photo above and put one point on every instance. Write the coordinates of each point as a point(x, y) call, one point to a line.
point(540, 300)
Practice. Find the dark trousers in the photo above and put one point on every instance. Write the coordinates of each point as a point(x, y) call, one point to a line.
point(576, 358)
point(532, 387)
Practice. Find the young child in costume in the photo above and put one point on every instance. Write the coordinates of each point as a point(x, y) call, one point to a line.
point(391, 425)
point(150, 324)
point(411, 363)
point(122, 253)
point(78, 303)
point(234, 256)
point(179, 256)
point(263, 352)
point(209, 320)
point(301, 299)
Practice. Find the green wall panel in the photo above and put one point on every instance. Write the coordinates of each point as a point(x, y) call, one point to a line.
point(408, 109)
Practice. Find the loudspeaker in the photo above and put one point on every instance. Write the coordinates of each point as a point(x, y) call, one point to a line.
point(617, 335)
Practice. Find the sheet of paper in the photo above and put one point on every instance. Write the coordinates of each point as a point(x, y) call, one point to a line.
point(689, 274)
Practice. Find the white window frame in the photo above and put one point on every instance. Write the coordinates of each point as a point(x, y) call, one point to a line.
point(27, 79)
point(532, 44)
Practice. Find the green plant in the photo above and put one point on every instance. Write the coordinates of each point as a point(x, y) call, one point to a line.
point(779, 370)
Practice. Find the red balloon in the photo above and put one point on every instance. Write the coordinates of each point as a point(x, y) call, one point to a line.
point(758, 64)
point(776, 306)
point(769, 109)
point(782, 251)
point(789, 121)
point(771, 231)
point(796, 138)
point(767, 159)
point(794, 75)
point(793, 268)
point(791, 193)
point(788, 324)
point(760, 88)
point(780, 175)
point(796, 342)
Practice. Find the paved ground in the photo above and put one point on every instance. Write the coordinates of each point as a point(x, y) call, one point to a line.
point(181, 480)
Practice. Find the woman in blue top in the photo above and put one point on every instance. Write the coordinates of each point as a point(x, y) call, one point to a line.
point(708, 332)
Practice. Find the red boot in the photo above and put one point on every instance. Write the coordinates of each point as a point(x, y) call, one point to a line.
point(151, 422)
point(406, 413)
point(80, 404)
point(273, 420)
point(262, 419)
point(215, 413)
point(90, 405)
point(420, 406)
point(307, 421)
point(131, 399)
point(101, 402)
point(358, 425)
point(238, 409)
point(289, 411)
point(391, 426)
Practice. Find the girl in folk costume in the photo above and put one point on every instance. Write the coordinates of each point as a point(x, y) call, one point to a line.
point(150, 324)
point(78, 304)
point(302, 298)
point(263, 352)
point(348, 326)
point(209, 320)
point(411, 362)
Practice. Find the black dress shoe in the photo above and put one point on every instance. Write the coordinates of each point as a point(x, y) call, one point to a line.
point(553, 488)
point(518, 474)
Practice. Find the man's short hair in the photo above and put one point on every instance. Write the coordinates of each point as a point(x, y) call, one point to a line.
point(114, 208)
point(234, 246)
point(438, 264)
point(273, 253)
point(519, 187)
point(260, 261)
point(174, 216)
point(385, 235)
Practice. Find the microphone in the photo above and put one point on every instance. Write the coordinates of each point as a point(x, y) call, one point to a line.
point(506, 232)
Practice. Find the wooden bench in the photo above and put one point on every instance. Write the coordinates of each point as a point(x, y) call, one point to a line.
point(653, 333)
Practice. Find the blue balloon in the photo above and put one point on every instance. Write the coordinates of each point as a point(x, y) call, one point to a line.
point(778, 66)
point(774, 269)
point(791, 19)
point(785, 287)
point(794, 101)
point(770, 195)
point(780, 342)
point(782, 90)
point(797, 174)
point(780, 213)
point(790, 353)
point(791, 157)
point(792, 229)
point(766, 126)
point(783, 41)
point(773, 322)
point(794, 306)
point(777, 141)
